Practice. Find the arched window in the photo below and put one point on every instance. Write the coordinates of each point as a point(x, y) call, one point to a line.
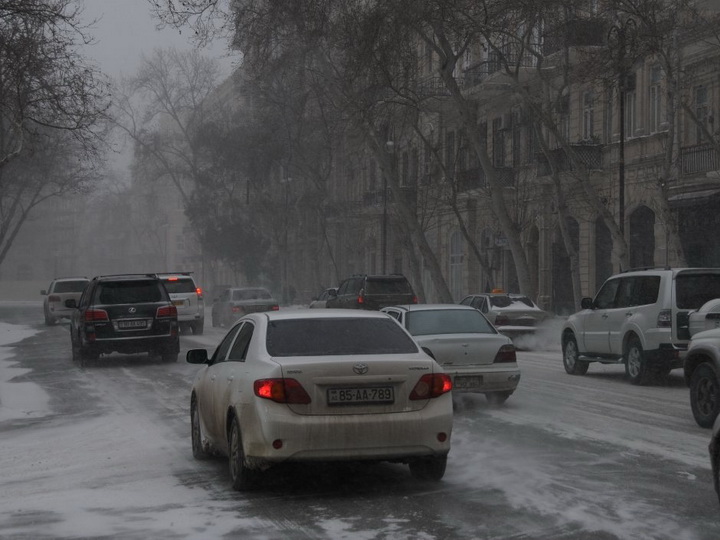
point(457, 259)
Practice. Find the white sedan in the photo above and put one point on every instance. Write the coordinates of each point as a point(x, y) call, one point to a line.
point(476, 356)
point(320, 385)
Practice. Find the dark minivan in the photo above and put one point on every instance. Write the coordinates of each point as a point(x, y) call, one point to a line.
point(128, 313)
point(372, 292)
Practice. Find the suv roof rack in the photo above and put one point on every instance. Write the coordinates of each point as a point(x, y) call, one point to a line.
point(125, 275)
point(641, 268)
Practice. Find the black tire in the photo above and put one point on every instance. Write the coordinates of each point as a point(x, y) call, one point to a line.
point(242, 477)
point(572, 365)
point(497, 398)
point(86, 355)
point(636, 366)
point(198, 450)
point(198, 328)
point(705, 395)
point(428, 468)
point(49, 320)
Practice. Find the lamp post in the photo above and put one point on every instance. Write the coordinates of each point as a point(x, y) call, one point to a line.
point(390, 147)
point(619, 32)
point(285, 289)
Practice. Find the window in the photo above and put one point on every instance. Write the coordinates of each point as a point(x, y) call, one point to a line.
point(450, 153)
point(337, 336)
point(224, 347)
point(498, 142)
point(605, 299)
point(447, 321)
point(608, 117)
point(630, 107)
point(588, 116)
point(654, 100)
point(457, 258)
point(701, 111)
point(239, 350)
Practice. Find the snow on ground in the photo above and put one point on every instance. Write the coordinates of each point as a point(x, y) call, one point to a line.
point(17, 399)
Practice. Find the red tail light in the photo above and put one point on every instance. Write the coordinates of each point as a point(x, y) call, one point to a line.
point(275, 308)
point(415, 300)
point(501, 320)
point(166, 311)
point(53, 298)
point(506, 354)
point(281, 391)
point(431, 385)
point(236, 309)
point(198, 291)
point(361, 299)
point(94, 315)
point(664, 319)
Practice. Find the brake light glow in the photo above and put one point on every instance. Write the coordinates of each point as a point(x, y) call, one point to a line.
point(275, 308)
point(431, 385)
point(361, 299)
point(173, 278)
point(166, 311)
point(506, 354)
point(198, 291)
point(281, 391)
point(664, 319)
point(94, 315)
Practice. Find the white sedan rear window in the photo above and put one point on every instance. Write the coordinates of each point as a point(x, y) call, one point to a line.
point(325, 337)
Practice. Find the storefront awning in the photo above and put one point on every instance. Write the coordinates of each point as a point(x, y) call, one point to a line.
point(694, 198)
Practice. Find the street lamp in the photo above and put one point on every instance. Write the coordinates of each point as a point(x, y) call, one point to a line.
point(285, 289)
point(619, 32)
point(390, 147)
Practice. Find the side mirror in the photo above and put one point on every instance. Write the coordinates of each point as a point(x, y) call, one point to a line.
point(71, 303)
point(586, 303)
point(197, 356)
point(43, 292)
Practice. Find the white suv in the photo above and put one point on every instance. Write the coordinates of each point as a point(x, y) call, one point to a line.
point(639, 318)
point(187, 298)
point(61, 289)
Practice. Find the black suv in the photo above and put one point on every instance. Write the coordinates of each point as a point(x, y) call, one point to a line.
point(128, 313)
point(372, 292)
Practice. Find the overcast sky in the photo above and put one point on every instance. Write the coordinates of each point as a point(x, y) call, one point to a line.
point(126, 29)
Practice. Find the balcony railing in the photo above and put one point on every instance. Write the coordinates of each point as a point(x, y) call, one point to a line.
point(699, 159)
point(589, 154)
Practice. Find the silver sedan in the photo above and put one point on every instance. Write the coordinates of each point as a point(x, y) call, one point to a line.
point(466, 345)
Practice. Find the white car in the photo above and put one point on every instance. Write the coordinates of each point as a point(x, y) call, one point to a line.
point(60, 290)
point(514, 315)
point(320, 385)
point(702, 375)
point(465, 344)
point(187, 297)
point(638, 318)
point(321, 300)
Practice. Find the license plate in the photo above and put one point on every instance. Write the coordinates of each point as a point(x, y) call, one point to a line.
point(361, 395)
point(179, 302)
point(468, 381)
point(134, 323)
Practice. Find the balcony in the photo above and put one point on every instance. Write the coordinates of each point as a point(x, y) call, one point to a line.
point(701, 158)
point(475, 178)
point(575, 33)
point(589, 154)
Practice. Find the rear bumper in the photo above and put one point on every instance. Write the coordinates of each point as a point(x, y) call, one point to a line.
point(668, 354)
point(129, 345)
point(491, 379)
point(394, 437)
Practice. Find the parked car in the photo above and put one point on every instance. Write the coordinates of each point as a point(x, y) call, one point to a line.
point(714, 449)
point(187, 297)
point(61, 289)
point(317, 386)
point(235, 302)
point(512, 314)
point(639, 318)
point(322, 298)
point(128, 313)
point(702, 374)
point(363, 291)
point(465, 344)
